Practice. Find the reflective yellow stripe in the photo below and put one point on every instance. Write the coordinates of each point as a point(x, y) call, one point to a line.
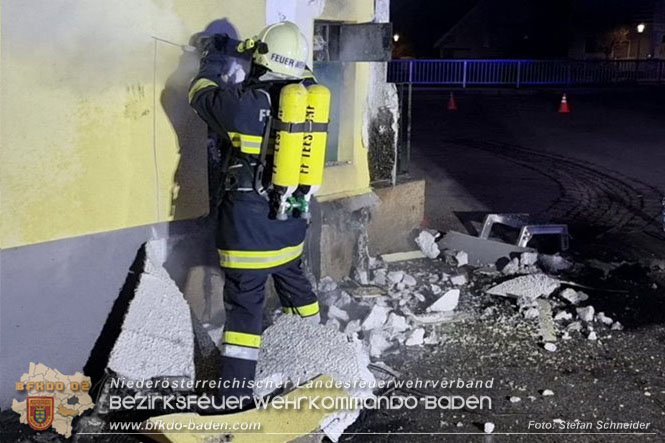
point(259, 259)
point(199, 85)
point(242, 339)
point(304, 311)
point(248, 144)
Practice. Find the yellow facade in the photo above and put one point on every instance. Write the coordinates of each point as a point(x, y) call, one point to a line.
point(352, 176)
point(96, 134)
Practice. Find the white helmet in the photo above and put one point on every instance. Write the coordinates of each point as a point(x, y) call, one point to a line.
point(285, 52)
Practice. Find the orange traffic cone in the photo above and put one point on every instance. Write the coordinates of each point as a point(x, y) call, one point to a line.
point(563, 107)
point(452, 105)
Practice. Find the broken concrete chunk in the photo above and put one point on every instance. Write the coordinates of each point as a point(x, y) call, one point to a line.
point(436, 289)
point(592, 336)
point(515, 399)
point(335, 424)
point(586, 313)
point(361, 276)
point(409, 280)
point(480, 251)
point(488, 427)
point(367, 292)
point(447, 302)
point(531, 286)
point(601, 317)
point(573, 296)
point(378, 343)
point(340, 314)
point(563, 315)
point(395, 277)
point(327, 284)
point(575, 326)
point(416, 337)
point(545, 323)
point(531, 314)
point(402, 256)
point(434, 318)
point(380, 277)
point(458, 280)
point(396, 323)
point(551, 347)
point(376, 318)
point(432, 339)
point(462, 258)
point(617, 326)
point(512, 267)
point(528, 259)
point(554, 263)
point(296, 349)
point(547, 393)
point(426, 241)
point(156, 338)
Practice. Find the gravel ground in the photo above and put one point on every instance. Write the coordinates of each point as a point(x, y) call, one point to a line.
point(618, 377)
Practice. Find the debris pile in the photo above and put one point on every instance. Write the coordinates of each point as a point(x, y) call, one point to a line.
point(402, 303)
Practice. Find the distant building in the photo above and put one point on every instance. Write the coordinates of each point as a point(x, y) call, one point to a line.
point(508, 29)
point(614, 33)
point(582, 29)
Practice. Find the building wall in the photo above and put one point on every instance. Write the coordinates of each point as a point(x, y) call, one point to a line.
point(100, 153)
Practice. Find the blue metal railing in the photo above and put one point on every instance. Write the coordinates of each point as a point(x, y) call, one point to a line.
point(518, 73)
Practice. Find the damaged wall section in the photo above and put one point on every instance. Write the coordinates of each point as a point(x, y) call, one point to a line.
point(381, 120)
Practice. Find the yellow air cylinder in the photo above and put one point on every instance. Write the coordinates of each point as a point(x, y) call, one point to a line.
point(314, 143)
point(288, 145)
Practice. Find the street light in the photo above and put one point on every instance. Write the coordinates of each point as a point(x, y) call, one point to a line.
point(395, 38)
point(640, 30)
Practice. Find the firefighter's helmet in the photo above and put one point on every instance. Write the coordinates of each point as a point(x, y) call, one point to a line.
point(285, 50)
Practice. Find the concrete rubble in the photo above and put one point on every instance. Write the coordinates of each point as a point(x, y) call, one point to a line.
point(156, 338)
point(447, 302)
point(574, 297)
point(416, 298)
point(426, 241)
point(586, 313)
point(530, 286)
point(295, 350)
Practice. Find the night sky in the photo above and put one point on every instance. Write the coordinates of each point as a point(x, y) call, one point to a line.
point(421, 22)
point(550, 24)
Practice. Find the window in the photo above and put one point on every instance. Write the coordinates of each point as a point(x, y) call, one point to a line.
point(336, 48)
point(331, 74)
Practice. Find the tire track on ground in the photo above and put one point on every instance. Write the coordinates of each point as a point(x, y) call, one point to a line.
point(591, 196)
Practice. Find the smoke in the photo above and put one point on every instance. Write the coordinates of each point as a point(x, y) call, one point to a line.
point(81, 41)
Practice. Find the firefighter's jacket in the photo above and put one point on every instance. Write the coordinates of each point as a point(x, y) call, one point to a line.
point(247, 238)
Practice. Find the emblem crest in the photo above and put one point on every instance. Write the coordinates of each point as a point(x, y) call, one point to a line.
point(40, 412)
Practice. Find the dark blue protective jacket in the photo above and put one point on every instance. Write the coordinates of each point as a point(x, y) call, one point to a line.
point(247, 238)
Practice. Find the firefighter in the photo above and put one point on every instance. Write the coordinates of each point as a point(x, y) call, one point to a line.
point(255, 237)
